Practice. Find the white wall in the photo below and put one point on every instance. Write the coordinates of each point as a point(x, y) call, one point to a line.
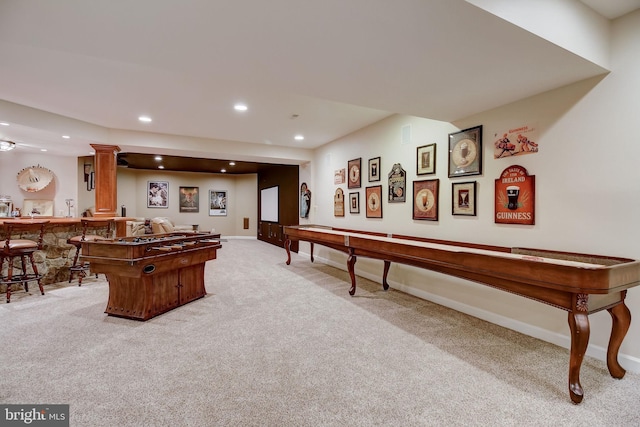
point(64, 185)
point(587, 198)
point(242, 193)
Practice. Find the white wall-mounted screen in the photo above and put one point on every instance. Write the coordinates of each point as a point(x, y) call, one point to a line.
point(269, 204)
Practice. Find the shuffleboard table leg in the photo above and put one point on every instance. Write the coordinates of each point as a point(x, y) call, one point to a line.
point(287, 247)
point(351, 264)
point(579, 325)
point(385, 284)
point(311, 244)
point(621, 317)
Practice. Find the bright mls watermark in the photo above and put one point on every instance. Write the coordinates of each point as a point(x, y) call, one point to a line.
point(34, 415)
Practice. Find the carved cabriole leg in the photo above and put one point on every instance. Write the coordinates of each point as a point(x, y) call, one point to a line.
point(621, 317)
point(579, 325)
point(312, 252)
point(287, 247)
point(351, 264)
point(385, 284)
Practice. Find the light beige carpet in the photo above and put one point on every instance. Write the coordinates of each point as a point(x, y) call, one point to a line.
point(278, 345)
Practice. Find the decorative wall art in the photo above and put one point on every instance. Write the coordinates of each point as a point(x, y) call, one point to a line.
point(157, 194)
point(426, 159)
point(374, 201)
point(37, 208)
point(515, 196)
point(353, 170)
point(217, 203)
point(397, 184)
point(516, 141)
point(189, 199)
point(338, 176)
point(34, 178)
point(463, 198)
point(425, 199)
point(374, 169)
point(465, 152)
point(305, 200)
point(338, 202)
point(354, 203)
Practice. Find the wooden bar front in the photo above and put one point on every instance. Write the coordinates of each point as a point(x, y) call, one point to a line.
point(152, 275)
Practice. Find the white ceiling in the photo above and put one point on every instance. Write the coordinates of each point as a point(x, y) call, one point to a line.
point(338, 65)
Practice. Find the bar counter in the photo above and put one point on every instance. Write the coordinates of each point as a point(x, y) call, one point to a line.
point(56, 256)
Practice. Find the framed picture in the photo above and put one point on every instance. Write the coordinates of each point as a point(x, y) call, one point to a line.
point(426, 159)
point(374, 201)
point(374, 169)
point(189, 199)
point(338, 202)
point(354, 203)
point(465, 152)
point(338, 176)
point(157, 194)
point(37, 208)
point(425, 199)
point(217, 203)
point(463, 198)
point(353, 170)
point(397, 184)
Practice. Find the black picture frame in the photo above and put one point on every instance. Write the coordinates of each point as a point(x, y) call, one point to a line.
point(354, 203)
point(465, 152)
point(426, 159)
point(374, 169)
point(354, 173)
point(464, 198)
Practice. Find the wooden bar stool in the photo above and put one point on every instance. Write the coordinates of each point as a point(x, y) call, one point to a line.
point(15, 245)
point(90, 229)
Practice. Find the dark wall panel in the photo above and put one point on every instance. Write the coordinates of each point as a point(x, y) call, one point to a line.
point(286, 177)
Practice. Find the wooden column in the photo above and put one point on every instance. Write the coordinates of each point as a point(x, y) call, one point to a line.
point(106, 179)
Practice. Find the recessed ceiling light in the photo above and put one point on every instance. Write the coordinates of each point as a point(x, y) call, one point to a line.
point(298, 137)
point(158, 158)
point(4, 124)
point(145, 119)
point(223, 170)
point(66, 136)
point(160, 167)
point(232, 163)
point(43, 149)
point(240, 107)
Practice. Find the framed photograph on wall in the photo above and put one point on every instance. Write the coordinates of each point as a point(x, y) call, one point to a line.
point(425, 199)
point(374, 169)
point(465, 152)
point(353, 169)
point(374, 201)
point(217, 203)
point(157, 194)
point(189, 199)
point(426, 159)
point(354, 203)
point(463, 198)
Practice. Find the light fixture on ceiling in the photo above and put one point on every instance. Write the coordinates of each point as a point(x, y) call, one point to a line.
point(158, 158)
point(232, 163)
point(223, 170)
point(7, 145)
point(240, 107)
point(4, 124)
point(66, 136)
point(145, 119)
point(160, 167)
point(298, 137)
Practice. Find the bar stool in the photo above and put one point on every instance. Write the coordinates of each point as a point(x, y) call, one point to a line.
point(14, 245)
point(90, 229)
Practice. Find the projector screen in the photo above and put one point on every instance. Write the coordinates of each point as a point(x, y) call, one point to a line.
point(269, 204)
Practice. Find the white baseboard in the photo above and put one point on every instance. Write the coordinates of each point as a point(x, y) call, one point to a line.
point(628, 362)
point(239, 237)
